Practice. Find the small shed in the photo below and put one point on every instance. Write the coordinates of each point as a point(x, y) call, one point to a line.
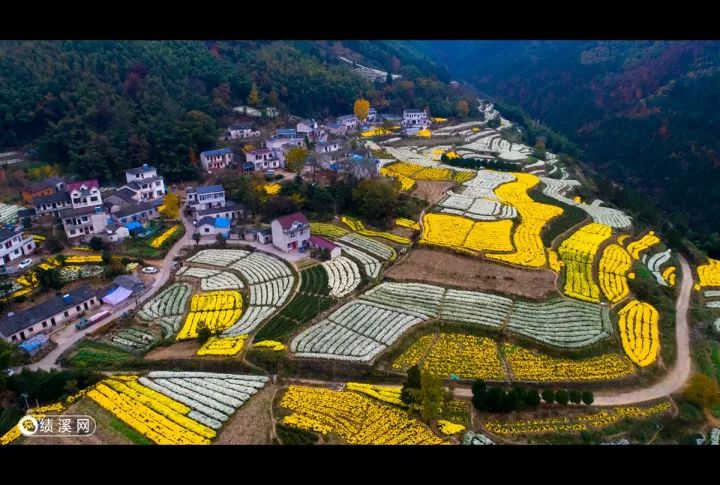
point(322, 243)
point(264, 236)
point(222, 226)
point(34, 344)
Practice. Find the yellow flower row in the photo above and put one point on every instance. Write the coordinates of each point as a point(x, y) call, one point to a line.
point(645, 242)
point(38, 237)
point(639, 332)
point(160, 240)
point(269, 345)
point(448, 428)
point(406, 183)
point(385, 235)
point(94, 258)
point(216, 300)
point(352, 223)
point(424, 133)
point(578, 253)
point(709, 274)
point(356, 418)
point(553, 261)
point(388, 394)
point(614, 265)
point(409, 223)
point(526, 365)
point(50, 263)
point(216, 321)
point(621, 239)
point(150, 423)
point(377, 131)
point(669, 275)
point(223, 346)
point(464, 176)
point(272, 189)
point(327, 230)
point(529, 248)
point(462, 233)
point(598, 420)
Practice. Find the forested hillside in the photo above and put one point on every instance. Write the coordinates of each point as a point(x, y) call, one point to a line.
point(644, 113)
point(98, 107)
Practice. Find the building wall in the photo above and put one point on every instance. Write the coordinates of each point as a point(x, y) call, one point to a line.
point(28, 196)
point(60, 318)
point(281, 240)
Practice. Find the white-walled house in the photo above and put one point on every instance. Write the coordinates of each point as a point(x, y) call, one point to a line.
point(415, 117)
point(14, 245)
point(263, 159)
point(86, 216)
point(85, 193)
point(322, 243)
point(275, 143)
point(336, 129)
point(290, 232)
point(51, 313)
point(146, 182)
point(214, 160)
point(327, 147)
point(241, 131)
point(51, 204)
point(348, 121)
point(306, 127)
point(205, 197)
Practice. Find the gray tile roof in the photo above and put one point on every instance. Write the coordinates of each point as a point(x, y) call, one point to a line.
point(125, 193)
point(229, 206)
point(136, 170)
point(43, 311)
point(137, 208)
point(83, 211)
point(26, 213)
point(49, 199)
point(130, 282)
point(6, 234)
point(208, 189)
point(206, 220)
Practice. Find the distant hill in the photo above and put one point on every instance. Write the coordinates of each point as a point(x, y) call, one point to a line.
point(97, 107)
point(644, 113)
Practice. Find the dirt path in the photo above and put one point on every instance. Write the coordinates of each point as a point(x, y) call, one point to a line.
point(676, 378)
point(252, 423)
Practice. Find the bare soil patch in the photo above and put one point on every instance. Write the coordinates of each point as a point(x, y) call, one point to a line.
point(180, 350)
point(446, 269)
point(431, 190)
point(252, 423)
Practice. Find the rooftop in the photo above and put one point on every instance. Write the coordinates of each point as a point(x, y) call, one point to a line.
point(49, 199)
point(44, 310)
point(6, 234)
point(229, 206)
point(240, 126)
point(87, 183)
point(137, 208)
point(413, 111)
point(83, 211)
point(125, 194)
point(214, 153)
point(322, 243)
point(143, 169)
point(44, 183)
point(287, 221)
point(206, 220)
point(129, 281)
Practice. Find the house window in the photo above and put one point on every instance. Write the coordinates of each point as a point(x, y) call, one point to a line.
point(44, 324)
point(85, 305)
point(207, 230)
point(30, 329)
point(14, 338)
point(93, 199)
point(77, 308)
point(67, 314)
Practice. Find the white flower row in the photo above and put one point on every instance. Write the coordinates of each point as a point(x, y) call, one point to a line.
point(715, 437)
point(343, 276)
point(482, 209)
point(477, 308)
point(199, 273)
point(198, 405)
point(204, 419)
point(221, 281)
point(369, 263)
point(260, 267)
point(421, 299)
point(157, 374)
point(602, 215)
point(218, 257)
point(484, 184)
point(272, 293)
point(471, 438)
point(713, 304)
point(250, 319)
point(654, 263)
point(224, 394)
point(171, 301)
point(716, 325)
point(375, 248)
point(711, 293)
point(219, 403)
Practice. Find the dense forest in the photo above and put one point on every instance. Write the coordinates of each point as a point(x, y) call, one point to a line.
point(643, 113)
point(98, 107)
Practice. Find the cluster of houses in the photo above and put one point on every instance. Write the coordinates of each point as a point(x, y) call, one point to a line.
point(329, 141)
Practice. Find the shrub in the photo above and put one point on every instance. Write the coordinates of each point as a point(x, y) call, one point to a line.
point(575, 396)
point(587, 397)
point(548, 396)
point(562, 396)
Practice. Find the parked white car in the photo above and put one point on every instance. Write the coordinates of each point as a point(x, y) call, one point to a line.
point(25, 263)
point(149, 270)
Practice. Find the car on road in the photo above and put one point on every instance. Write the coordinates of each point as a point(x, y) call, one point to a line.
point(149, 270)
point(25, 263)
point(9, 372)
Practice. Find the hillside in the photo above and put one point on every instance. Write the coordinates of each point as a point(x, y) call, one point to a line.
point(644, 114)
point(97, 107)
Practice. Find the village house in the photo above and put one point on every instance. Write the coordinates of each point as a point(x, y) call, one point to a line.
point(230, 210)
point(286, 133)
point(348, 121)
point(312, 130)
point(44, 316)
point(415, 117)
point(205, 197)
point(145, 182)
point(262, 235)
point(212, 226)
point(290, 232)
point(278, 144)
point(14, 245)
point(336, 129)
point(262, 159)
point(31, 213)
point(86, 215)
point(322, 243)
point(115, 233)
point(46, 186)
point(143, 212)
point(241, 131)
point(214, 160)
point(51, 204)
point(122, 198)
point(327, 147)
point(389, 118)
point(372, 115)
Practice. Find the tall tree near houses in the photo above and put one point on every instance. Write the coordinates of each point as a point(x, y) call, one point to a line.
point(462, 108)
point(431, 394)
point(254, 96)
point(295, 158)
point(171, 206)
point(361, 108)
point(192, 157)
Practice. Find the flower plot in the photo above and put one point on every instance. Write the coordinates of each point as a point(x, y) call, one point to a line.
point(709, 274)
point(639, 332)
point(217, 310)
point(374, 248)
point(343, 276)
point(614, 266)
point(578, 253)
point(464, 234)
point(167, 308)
point(223, 346)
point(642, 244)
point(159, 241)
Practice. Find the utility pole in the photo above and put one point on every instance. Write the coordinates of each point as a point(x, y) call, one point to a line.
point(25, 396)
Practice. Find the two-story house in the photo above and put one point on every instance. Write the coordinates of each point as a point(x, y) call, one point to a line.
point(241, 131)
point(336, 129)
point(141, 212)
point(415, 117)
point(205, 197)
point(327, 147)
point(46, 186)
point(290, 232)
point(14, 245)
point(146, 182)
point(51, 205)
point(214, 160)
point(51, 313)
point(350, 122)
point(372, 115)
point(86, 216)
point(263, 159)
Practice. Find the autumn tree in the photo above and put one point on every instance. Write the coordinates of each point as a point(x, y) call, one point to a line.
point(361, 108)
point(462, 108)
point(254, 96)
point(376, 200)
point(196, 237)
point(41, 172)
point(703, 391)
point(431, 396)
point(171, 206)
point(295, 158)
point(248, 147)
